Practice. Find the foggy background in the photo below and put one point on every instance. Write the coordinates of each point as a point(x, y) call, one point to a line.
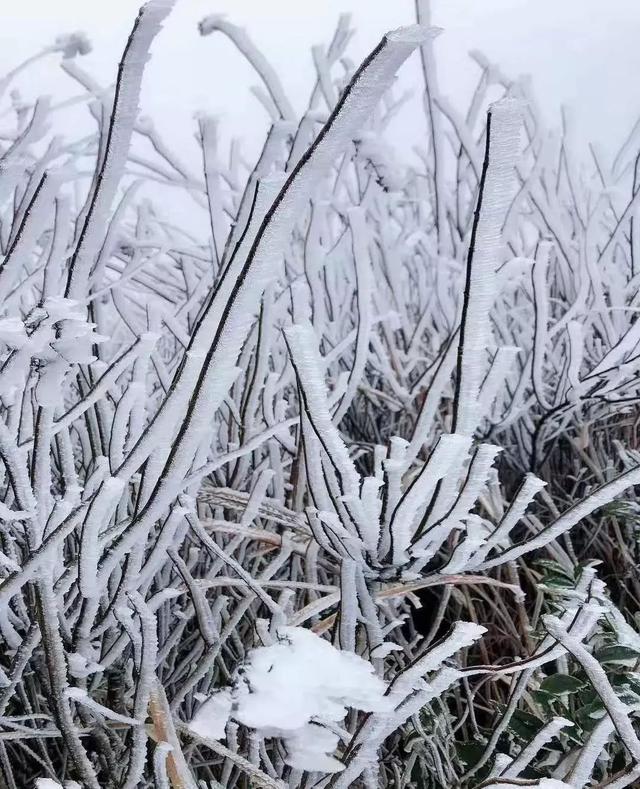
point(582, 53)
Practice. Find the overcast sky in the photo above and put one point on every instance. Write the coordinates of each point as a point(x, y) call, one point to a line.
point(581, 52)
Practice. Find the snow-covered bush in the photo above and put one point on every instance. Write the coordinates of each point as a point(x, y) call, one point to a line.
point(236, 465)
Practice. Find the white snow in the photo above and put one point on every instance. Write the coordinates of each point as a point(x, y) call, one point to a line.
point(290, 689)
point(211, 718)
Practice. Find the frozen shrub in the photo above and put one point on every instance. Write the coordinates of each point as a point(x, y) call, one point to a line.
point(234, 466)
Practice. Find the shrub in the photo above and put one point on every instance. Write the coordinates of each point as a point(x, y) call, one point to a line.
point(234, 466)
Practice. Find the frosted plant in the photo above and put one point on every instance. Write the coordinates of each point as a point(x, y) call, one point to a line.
point(308, 496)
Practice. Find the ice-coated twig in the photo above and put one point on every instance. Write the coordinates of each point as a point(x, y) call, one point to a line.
point(501, 149)
point(123, 117)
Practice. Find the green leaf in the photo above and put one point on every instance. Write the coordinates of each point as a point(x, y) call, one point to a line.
point(628, 697)
point(543, 698)
point(469, 752)
point(588, 695)
point(624, 681)
point(525, 725)
point(590, 714)
point(553, 568)
point(561, 683)
point(558, 582)
point(616, 654)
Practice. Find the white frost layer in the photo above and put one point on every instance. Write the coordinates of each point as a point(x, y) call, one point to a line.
point(295, 689)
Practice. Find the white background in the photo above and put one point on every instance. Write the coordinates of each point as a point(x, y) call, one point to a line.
point(585, 53)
